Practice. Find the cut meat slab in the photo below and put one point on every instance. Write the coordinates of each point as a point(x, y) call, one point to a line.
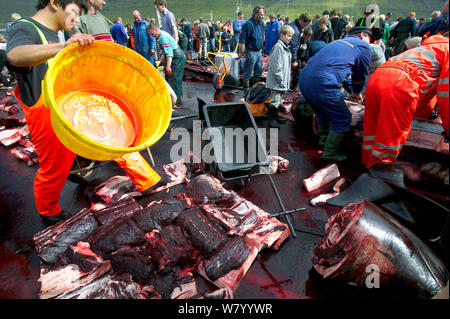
point(68, 278)
point(278, 164)
point(107, 287)
point(321, 177)
point(55, 240)
point(322, 199)
point(26, 154)
point(110, 237)
point(106, 214)
point(134, 261)
point(231, 256)
point(158, 214)
point(180, 172)
point(427, 140)
point(115, 188)
point(82, 256)
point(243, 218)
point(12, 136)
point(232, 279)
point(185, 290)
point(206, 189)
point(205, 236)
point(170, 247)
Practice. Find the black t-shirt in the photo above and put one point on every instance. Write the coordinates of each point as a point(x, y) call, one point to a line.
point(29, 79)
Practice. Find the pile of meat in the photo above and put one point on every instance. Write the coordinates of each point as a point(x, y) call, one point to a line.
point(198, 72)
point(14, 132)
point(198, 244)
point(205, 73)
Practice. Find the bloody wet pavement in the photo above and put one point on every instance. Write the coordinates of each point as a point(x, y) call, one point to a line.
point(286, 273)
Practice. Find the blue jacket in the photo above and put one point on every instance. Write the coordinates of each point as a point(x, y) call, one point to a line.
point(295, 42)
point(272, 35)
point(435, 26)
point(187, 30)
point(119, 34)
point(237, 26)
point(252, 35)
point(144, 42)
point(352, 61)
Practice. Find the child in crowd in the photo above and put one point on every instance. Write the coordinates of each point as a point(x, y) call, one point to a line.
point(303, 49)
point(323, 33)
point(279, 74)
point(225, 38)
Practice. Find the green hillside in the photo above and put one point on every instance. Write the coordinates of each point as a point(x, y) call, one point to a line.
point(222, 9)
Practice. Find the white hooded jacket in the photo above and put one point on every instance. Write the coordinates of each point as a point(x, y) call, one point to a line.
point(279, 73)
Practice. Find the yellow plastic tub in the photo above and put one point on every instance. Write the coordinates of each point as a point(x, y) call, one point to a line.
point(123, 75)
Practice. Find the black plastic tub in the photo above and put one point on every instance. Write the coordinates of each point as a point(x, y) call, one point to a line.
point(237, 145)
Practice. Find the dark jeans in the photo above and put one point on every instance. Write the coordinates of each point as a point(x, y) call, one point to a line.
point(253, 64)
point(295, 76)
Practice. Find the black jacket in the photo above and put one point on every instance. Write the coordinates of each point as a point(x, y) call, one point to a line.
point(326, 37)
point(303, 50)
point(338, 25)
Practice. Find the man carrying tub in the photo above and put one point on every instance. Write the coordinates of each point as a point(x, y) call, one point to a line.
point(32, 44)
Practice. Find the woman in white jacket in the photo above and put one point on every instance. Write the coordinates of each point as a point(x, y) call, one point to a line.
point(279, 74)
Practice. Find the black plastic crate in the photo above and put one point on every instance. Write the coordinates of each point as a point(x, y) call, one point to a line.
point(236, 143)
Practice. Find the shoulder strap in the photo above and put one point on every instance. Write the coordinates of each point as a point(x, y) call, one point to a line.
point(346, 42)
point(373, 23)
point(42, 36)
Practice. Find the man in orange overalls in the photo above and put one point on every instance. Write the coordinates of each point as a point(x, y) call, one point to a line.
point(32, 44)
point(407, 86)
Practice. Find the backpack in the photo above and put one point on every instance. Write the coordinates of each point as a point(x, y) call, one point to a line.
point(257, 98)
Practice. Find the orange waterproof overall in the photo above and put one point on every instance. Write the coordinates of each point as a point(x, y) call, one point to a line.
point(55, 160)
point(405, 87)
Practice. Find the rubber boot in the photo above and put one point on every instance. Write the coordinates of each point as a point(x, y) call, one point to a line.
point(331, 147)
point(51, 220)
point(271, 119)
point(323, 134)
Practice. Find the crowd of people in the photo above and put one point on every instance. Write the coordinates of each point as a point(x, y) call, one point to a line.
point(400, 70)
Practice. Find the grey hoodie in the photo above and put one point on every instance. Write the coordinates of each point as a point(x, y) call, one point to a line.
point(279, 73)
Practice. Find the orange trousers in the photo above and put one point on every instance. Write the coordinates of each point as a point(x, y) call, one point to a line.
point(55, 161)
point(392, 101)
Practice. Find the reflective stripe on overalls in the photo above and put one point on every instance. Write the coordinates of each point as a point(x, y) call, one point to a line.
point(371, 25)
point(401, 89)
